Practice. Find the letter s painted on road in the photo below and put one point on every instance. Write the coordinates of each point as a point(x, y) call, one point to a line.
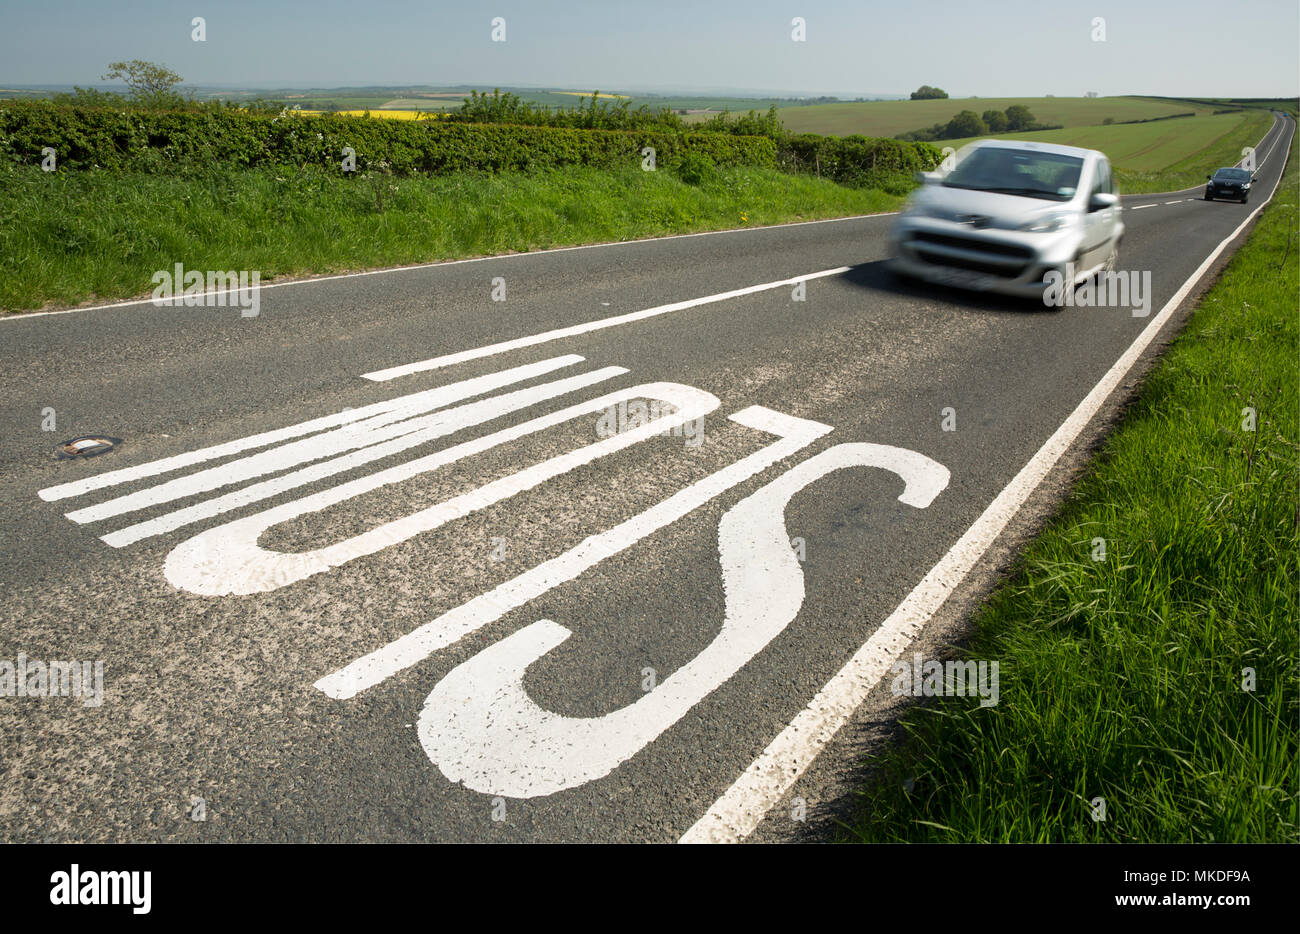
point(480, 727)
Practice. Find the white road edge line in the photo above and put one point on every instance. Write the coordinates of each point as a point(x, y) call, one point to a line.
point(23, 315)
point(1144, 206)
point(744, 805)
point(599, 324)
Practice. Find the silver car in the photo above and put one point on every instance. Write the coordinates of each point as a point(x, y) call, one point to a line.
point(1008, 214)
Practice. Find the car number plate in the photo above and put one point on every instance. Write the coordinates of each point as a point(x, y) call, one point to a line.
point(964, 279)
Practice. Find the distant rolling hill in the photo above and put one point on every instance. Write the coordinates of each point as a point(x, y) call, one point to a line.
point(889, 118)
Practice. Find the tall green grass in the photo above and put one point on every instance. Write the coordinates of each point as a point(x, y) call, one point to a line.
point(1123, 678)
point(69, 237)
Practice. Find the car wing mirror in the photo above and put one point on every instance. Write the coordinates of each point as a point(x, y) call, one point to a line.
point(1102, 199)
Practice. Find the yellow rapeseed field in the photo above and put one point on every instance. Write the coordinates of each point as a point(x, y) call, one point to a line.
point(386, 114)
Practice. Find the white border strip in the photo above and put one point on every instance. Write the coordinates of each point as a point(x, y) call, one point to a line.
point(22, 315)
point(740, 809)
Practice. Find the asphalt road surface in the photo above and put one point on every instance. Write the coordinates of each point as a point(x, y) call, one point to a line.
point(338, 597)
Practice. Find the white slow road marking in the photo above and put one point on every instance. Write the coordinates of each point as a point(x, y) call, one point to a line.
point(395, 439)
point(228, 560)
point(412, 648)
point(588, 327)
point(427, 400)
point(480, 727)
point(740, 809)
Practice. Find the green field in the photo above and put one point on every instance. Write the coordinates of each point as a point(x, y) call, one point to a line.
point(1167, 155)
point(1161, 675)
point(1286, 104)
point(419, 103)
point(889, 118)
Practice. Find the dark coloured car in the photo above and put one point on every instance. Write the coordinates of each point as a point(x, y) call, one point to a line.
point(1229, 183)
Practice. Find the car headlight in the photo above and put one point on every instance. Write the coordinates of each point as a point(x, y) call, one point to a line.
point(1049, 223)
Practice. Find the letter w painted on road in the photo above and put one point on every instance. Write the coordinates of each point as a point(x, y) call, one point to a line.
point(228, 559)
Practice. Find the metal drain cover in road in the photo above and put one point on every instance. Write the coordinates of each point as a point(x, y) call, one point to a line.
point(86, 446)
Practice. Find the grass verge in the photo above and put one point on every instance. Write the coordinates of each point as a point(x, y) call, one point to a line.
point(1123, 678)
point(71, 237)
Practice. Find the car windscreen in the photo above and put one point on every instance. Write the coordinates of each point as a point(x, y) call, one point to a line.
point(1232, 175)
point(1051, 176)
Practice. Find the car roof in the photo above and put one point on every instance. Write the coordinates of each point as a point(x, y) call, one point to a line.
point(1055, 148)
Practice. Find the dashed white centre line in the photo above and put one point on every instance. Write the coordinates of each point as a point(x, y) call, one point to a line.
point(546, 336)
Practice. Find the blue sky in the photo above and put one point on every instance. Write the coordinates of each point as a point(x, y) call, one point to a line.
point(1239, 48)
